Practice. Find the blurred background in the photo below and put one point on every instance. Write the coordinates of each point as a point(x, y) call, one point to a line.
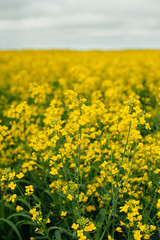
point(80, 24)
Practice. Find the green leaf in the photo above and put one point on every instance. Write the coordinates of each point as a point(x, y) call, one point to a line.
point(41, 237)
point(101, 216)
point(61, 229)
point(10, 206)
point(52, 228)
point(22, 180)
point(22, 222)
point(74, 233)
point(13, 226)
point(99, 222)
point(60, 194)
point(58, 234)
point(36, 198)
point(19, 214)
point(26, 222)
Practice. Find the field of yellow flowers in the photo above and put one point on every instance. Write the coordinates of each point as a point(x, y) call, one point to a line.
point(80, 145)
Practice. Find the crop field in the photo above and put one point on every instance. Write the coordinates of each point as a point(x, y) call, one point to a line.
point(80, 145)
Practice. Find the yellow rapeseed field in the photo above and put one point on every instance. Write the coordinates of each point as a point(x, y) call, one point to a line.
point(80, 145)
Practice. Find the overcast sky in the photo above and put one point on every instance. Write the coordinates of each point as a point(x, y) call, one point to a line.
point(79, 24)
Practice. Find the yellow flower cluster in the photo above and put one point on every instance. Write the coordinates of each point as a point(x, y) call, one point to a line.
point(80, 136)
point(29, 190)
point(19, 208)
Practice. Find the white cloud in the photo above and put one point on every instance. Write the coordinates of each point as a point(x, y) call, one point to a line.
point(79, 24)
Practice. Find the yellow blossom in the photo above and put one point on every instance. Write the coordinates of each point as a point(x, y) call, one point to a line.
point(70, 197)
point(119, 229)
point(75, 226)
point(12, 198)
point(63, 214)
point(12, 185)
point(29, 190)
point(19, 208)
point(20, 175)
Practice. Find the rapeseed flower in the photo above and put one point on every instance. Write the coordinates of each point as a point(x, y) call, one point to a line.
point(29, 190)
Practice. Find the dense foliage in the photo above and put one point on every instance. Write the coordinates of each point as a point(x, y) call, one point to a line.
point(79, 145)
